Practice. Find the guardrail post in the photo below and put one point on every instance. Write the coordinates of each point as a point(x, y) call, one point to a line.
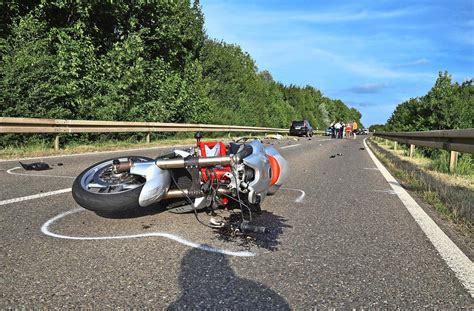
point(453, 162)
point(56, 142)
point(148, 138)
point(395, 146)
point(412, 150)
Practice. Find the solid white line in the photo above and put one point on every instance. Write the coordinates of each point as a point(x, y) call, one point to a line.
point(462, 266)
point(34, 196)
point(10, 171)
point(45, 230)
point(300, 198)
point(291, 146)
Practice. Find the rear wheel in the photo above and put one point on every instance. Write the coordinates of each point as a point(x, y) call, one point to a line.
point(101, 190)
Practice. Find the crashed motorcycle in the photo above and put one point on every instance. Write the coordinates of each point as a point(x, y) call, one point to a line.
point(209, 176)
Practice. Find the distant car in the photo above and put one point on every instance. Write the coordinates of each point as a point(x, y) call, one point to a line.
point(364, 132)
point(328, 132)
point(301, 128)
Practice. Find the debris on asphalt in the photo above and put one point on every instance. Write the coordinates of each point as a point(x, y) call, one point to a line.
point(339, 154)
point(361, 148)
point(37, 166)
point(333, 156)
point(146, 226)
point(274, 136)
point(59, 164)
point(295, 139)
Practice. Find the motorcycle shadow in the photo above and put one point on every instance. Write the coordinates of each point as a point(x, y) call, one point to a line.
point(269, 241)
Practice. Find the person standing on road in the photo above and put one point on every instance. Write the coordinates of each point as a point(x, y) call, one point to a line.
point(341, 130)
point(337, 128)
point(355, 126)
point(348, 129)
point(333, 130)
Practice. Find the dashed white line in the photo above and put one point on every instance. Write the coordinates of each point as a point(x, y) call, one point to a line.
point(371, 168)
point(10, 171)
point(34, 196)
point(462, 266)
point(291, 146)
point(45, 230)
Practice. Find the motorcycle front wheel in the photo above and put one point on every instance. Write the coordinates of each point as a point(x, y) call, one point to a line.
point(101, 190)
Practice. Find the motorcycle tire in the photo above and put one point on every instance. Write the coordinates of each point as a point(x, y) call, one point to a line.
point(106, 203)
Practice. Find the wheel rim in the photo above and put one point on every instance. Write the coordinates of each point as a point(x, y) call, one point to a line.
point(100, 179)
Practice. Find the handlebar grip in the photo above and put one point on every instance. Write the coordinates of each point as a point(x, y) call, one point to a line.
point(242, 154)
point(246, 227)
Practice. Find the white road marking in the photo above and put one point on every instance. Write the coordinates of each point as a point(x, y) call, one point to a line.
point(10, 171)
point(462, 266)
point(45, 230)
point(300, 198)
point(291, 146)
point(34, 196)
point(389, 191)
point(371, 168)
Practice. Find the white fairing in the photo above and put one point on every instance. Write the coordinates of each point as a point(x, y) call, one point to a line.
point(284, 169)
point(259, 162)
point(157, 182)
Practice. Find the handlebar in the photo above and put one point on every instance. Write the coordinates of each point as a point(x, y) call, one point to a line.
point(246, 227)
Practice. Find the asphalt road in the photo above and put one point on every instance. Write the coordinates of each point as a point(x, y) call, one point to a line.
point(348, 243)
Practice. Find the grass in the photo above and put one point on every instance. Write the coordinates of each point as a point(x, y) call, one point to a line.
point(44, 147)
point(452, 196)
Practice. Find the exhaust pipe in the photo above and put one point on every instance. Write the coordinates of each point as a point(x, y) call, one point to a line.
point(193, 161)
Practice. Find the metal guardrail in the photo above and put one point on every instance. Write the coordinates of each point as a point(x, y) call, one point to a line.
point(451, 140)
point(31, 125)
point(55, 126)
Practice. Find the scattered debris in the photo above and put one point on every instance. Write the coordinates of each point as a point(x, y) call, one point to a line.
point(274, 136)
point(37, 166)
point(295, 139)
point(146, 226)
point(333, 156)
point(320, 145)
point(59, 164)
point(309, 138)
point(339, 154)
point(361, 148)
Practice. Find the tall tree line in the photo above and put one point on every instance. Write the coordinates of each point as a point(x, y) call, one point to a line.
point(140, 60)
point(446, 106)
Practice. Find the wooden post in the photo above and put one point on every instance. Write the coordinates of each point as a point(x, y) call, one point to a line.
point(453, 162)
point(148, 138)
point(395, 146)
point(412, 150)
point(56, 142)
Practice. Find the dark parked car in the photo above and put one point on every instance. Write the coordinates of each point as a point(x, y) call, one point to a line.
point(328, 132)
point(301, 128)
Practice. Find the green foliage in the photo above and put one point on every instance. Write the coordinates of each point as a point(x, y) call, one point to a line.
point(446, 106)
point(139, 61)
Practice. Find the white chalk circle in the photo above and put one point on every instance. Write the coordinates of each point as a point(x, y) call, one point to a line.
point(45, 230)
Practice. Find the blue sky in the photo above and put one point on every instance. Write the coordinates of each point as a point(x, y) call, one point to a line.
point(371, 54)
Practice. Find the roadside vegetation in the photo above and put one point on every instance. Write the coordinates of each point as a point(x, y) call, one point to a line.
point(446, 106)
point(146, 61)
point(451, 195)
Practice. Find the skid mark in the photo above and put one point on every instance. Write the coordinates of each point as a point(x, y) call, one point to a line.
point(45, 230)
point(291, 146)
point(10, 171)
point(300, 198)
